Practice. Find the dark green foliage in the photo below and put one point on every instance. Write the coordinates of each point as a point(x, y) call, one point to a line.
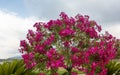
point(15, 67)
point(113, 68)
point(118, 54)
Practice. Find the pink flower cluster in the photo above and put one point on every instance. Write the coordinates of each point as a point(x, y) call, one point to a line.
point(27, 58)
point(67, 32)
point(55, 60)
point(70, 43)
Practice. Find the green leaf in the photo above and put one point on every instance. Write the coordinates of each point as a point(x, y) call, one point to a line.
point(113, 68)
point(20, 70)
point(13, 66)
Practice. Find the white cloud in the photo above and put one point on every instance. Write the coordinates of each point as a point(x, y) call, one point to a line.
point(100, 10)
point(13, 28)
point(104, 12)
point(113, 29)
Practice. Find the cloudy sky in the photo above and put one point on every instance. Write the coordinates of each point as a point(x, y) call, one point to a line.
point(17, 16)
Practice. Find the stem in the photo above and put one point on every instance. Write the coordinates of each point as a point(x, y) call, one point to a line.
point(53, 71)
point(69, 64)
point(69, 70)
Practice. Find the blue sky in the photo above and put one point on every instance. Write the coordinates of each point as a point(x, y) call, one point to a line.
point(17, 16)
point(14, 6)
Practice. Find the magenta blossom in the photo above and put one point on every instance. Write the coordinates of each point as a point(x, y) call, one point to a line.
point(67, 32)
point(71, 43)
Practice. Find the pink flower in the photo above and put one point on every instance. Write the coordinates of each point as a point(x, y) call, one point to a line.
point(74, 73)
point(38, 26)
point(63, 15)
point(30, 33)
point(92, 32)
point(50, 24)
point(41, 73)
point(104, 72)
point(75, 50)
point(94, 65)
point(28, 60)
point(80, 18)
point(99, 28)
point(66, 32)
point(28, 56)
point(40, 49)
point(50, 53)
point(23, 43)
point(55, 60)
point(39, 36)
point(56, 74)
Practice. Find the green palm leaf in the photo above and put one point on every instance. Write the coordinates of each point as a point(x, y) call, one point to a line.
point(15, 67)
point(113, 68)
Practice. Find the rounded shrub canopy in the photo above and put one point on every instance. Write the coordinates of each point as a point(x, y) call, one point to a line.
point(72, 43)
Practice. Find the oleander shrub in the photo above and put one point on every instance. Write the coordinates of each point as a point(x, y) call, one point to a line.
point(69, 43)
